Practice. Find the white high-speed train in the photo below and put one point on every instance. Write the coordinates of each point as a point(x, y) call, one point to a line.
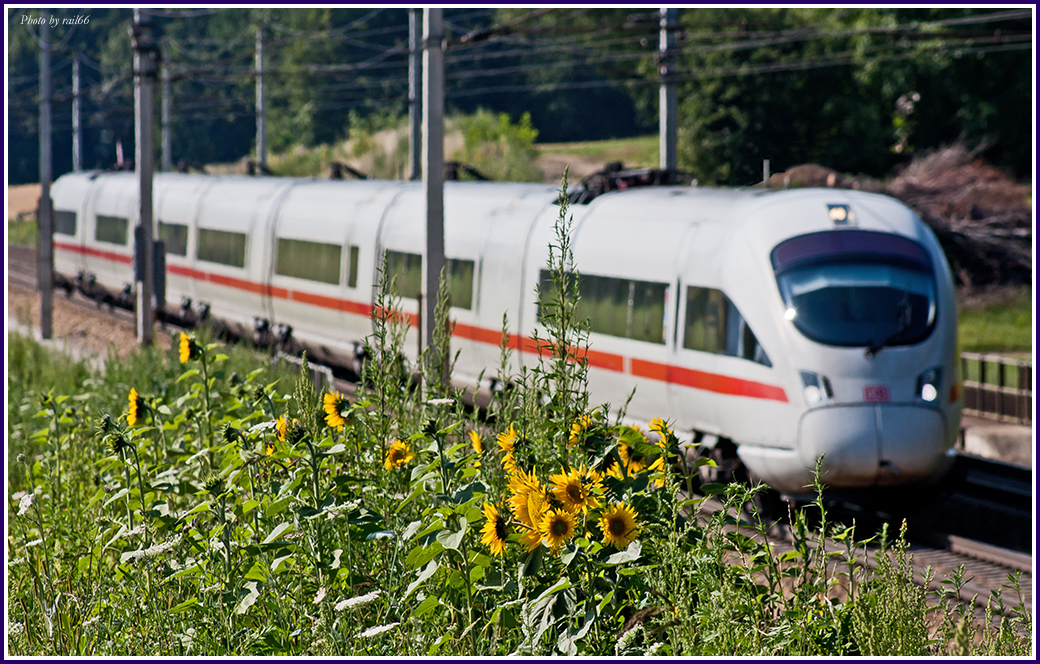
point(777, 324)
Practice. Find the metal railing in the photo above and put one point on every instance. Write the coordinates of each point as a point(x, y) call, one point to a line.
point(997, 387)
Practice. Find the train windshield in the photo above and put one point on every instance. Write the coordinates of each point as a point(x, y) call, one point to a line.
point(870, 290)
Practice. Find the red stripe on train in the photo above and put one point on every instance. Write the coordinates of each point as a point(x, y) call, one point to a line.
point(701, 380)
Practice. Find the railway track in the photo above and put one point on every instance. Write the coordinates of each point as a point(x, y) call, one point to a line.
point(21, 265)
point(946, 536)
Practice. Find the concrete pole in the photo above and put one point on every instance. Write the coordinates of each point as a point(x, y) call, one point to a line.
point(668, 113)
point(77, 112)
point(414, 100)
point(45, 266)
point(261, 125)
point(167, 101)
point(145, 67)
point(433, 161)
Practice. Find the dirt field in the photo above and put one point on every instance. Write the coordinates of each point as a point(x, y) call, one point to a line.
point(83, 332)
point(22, 198)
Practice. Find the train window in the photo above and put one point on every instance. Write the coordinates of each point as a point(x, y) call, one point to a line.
point(616, 307)
point(315, 261)
point(703, 314)
point(353, 269)
point(111, 229)
point(406, 271)
point(64, 222)
point(222, 247)
point(853, 303)
point(714, 325)
point(460, 283)
point(175, 237)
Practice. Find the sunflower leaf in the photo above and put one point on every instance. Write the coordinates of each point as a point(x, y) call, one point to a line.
point(424, 574)
point(628, 555)
point(450, 540)
point(568, 554)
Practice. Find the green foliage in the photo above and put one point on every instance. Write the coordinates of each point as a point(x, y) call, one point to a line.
point(642, 151)
point(24, 233)
point(888, 619)
point(1001, 327)
point(822, 86)
point(496, 146)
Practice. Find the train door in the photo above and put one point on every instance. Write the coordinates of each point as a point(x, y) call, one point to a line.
point(698, 332)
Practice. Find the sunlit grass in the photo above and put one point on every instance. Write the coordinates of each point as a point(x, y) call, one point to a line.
point(637, 152)
point(1001, 327)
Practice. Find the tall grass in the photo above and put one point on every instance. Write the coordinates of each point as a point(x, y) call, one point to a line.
point(191, 502)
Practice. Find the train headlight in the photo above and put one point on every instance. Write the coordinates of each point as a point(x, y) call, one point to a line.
point(815, 388)
point(928, 384)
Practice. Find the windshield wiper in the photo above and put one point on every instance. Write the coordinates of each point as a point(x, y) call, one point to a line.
point(905, 316)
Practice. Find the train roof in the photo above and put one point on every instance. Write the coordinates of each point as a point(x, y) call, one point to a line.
point(690, 202)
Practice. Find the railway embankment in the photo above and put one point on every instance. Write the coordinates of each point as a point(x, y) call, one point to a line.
point(1002, 441)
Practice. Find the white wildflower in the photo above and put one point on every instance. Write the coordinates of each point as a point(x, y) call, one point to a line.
point(162, 547)
point(360, 600)
point(320, 596)
point(91, 621)
point(25, 503)
point(29, 545)
point(441, 402)
point(262, 427)
point(15, 629)
point(374, 631)
point(627, 639)
point(138, 530)
point(654, 649)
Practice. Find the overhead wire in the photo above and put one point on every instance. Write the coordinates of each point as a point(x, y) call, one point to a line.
point(573, 51)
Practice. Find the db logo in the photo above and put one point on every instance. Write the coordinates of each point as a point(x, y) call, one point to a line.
point(877, 394)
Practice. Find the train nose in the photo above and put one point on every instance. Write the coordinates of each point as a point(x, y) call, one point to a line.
point(875, 445)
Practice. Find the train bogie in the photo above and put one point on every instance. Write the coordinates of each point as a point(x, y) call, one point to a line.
point(787, 324)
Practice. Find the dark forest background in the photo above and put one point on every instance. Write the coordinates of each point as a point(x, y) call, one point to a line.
point(858, 89)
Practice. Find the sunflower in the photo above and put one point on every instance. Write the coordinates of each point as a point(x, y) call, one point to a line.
point(495, 531)
point(398, 455)
point(578, 427)
point(136, 408)
point(557, 527)
point(655, 467)
point(535, 506)
point(507, 439)
point(189, 349)
point(574, 489)
point(506, 442)
point(280, 425)
point(523, 485)
point(619, 525)
point(333, 404)
point(478, 446)
point(660, 427)
point(634, 460)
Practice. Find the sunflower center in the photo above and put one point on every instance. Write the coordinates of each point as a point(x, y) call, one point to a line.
point(500, 528)
point(575, 493)
point(618, 527)
point(559, 527)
